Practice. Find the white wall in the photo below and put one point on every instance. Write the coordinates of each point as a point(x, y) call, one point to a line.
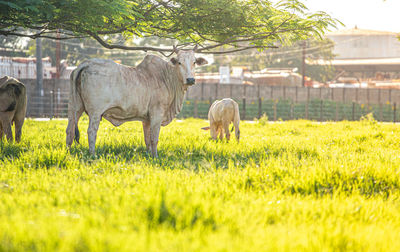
point(23, 70)
point(366, 46)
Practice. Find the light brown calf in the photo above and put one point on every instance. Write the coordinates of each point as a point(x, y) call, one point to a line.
point(221, 114)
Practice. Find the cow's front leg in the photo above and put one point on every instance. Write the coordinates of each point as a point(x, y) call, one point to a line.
point(94, 122)
point(146, 132)
point(226, 129)
point(221, 132)
point(213, 131)
point(155, 125)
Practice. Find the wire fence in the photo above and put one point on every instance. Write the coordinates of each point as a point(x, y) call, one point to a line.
point(48, 104)
point(55, 104)
point(279, 109)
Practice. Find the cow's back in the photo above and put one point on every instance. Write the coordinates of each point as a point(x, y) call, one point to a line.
point(12, 97)
point(222, 110)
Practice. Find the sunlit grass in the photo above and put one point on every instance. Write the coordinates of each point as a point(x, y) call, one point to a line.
point(287, 186)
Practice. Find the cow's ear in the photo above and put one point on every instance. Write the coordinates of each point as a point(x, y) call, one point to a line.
point(201, 61)
point(174, 61)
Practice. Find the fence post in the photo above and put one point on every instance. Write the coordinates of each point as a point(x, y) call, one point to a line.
point(244, 109)
point(272, 92)
point(210, 101)
point(357, 94)
point(321, 115)
point(291, 110)
point(284, 92)
point(394, 112)
point(337, 112)
point(380, 112)
point(51, 104)
point(274, 106)
point(308, 101)
point(195, 109)
point(344, 95)
point(202, 91)
point(352, 111)
point(259, 107)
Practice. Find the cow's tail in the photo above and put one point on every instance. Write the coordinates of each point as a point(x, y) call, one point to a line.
point(236, 121)
point(75, 104)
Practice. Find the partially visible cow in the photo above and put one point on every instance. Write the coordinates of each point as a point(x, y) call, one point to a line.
point(152, 92)
point(221, 114)
point(12, 107)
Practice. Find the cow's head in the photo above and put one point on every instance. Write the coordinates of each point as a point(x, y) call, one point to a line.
point(185, 61)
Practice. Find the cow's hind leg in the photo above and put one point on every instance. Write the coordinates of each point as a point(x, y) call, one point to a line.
point(94, 121)
point(78, 116)
point(226, 129)
point(18, 129)
point(237, 130)
point(147, 137)
point(72, 128)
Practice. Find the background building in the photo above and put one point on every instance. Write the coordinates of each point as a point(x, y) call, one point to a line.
point(365, 55)
point(24, 68)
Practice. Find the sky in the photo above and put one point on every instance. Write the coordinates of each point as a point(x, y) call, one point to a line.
point(366, 14)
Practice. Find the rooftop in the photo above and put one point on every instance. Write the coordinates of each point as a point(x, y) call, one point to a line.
point(341, 62)
point(357, 31)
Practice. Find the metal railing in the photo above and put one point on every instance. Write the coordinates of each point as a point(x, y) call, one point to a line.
point(51, 104)
point(279, 109)
point(55, 104)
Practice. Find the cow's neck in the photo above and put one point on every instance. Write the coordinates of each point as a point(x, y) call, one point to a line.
point(177, 90)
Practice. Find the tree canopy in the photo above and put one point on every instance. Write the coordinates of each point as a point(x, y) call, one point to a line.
point(236, 24)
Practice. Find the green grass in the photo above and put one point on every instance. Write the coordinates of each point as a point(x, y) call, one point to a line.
point(287, 186)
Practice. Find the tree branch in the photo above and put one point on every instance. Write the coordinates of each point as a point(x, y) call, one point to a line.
point(132, 48)
point(239, 49)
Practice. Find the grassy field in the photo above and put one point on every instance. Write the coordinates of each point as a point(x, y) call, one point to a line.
point(287, 186)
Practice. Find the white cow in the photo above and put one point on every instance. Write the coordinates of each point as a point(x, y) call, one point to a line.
point(152, 92)
point(221, 114)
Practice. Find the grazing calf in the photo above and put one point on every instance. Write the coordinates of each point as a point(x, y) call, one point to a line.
point(12, 107)
point(221, 114)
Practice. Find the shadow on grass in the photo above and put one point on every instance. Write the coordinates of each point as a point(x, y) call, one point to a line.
point(178, 157)
point(118, 152)
point(10, 150)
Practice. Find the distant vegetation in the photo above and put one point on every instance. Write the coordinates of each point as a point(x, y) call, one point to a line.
point(287, 186)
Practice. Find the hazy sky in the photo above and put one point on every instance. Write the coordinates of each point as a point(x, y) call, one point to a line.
point(366, 14)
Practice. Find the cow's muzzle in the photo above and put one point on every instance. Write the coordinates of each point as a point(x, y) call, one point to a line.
point(190, 81)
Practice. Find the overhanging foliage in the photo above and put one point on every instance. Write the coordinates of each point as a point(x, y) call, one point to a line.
point(235, 24)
